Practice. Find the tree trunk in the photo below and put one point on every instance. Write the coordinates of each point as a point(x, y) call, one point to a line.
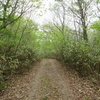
point(85, 34)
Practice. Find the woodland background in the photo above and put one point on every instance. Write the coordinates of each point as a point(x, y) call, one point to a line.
point(73, 36)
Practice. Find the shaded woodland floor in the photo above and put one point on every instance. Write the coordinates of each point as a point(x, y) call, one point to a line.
point(49, 80)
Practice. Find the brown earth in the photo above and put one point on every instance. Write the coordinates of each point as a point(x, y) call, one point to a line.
point(49, 80)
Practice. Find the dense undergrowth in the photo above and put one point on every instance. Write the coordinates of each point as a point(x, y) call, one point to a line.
point(17, 42)
point(82, 57)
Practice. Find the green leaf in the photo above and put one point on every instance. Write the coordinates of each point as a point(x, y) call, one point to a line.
point(1, 42)
point(96, 25)
point(3, 86)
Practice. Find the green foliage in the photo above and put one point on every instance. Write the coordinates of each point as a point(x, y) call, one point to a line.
point(96, 25)
point(86, 99)
point(44, 98)
point(21, 43)
point(77, 54)
point(17, 51)
point(83, 58)
point(3, 86)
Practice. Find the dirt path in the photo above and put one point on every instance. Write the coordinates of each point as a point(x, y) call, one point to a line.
point(48, 80)
point(49, 83)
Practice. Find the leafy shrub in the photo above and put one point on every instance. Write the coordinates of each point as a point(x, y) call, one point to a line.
point(83, 58)
point(16, 48)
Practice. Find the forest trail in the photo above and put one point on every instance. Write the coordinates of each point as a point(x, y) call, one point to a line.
point(49, 80)
point(50, 83)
